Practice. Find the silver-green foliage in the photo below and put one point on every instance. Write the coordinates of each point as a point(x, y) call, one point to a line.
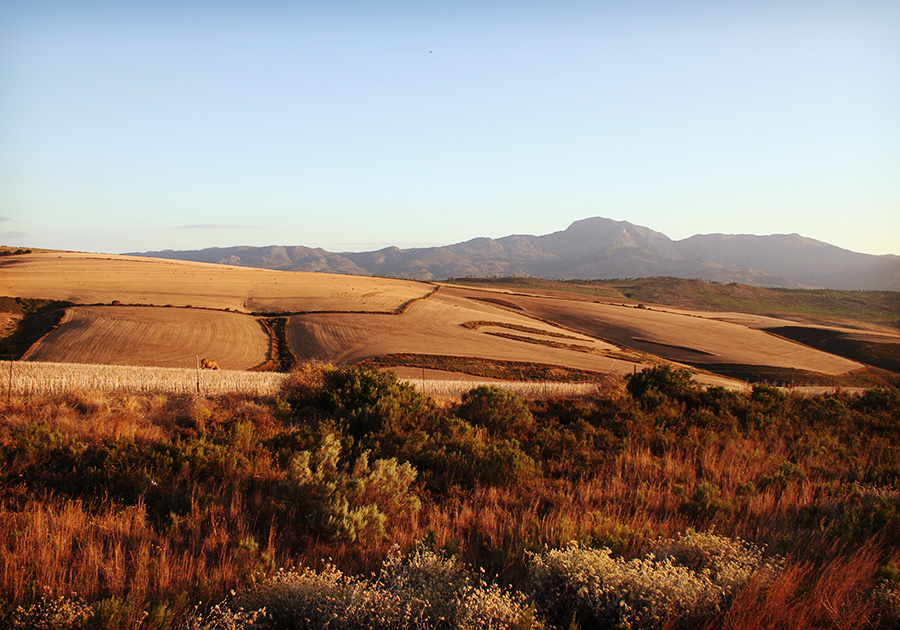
point(354, 504)
point(678, 581)
point(423, 590)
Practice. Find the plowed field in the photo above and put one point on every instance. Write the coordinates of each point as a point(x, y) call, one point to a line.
point(435, 326)
point(678, 336)
point(164, 337)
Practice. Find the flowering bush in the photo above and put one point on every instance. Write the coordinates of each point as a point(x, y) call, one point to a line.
point(61, 613)
point(423, 590)
point(678, 582)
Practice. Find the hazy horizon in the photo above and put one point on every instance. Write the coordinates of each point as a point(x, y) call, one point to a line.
point(367, 247)
point(355, 126)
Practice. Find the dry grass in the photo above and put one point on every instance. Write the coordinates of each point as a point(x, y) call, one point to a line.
point(529, 390)
point(53, 378)
point(164, 337)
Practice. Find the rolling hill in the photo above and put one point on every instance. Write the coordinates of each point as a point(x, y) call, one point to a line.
point(141, 311)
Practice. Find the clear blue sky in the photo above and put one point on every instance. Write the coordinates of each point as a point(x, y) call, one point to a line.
point(131, 126)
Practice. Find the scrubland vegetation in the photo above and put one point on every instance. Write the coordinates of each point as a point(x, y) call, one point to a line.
point(350, 500)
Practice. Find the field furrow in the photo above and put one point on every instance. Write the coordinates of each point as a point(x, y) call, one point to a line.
point(437, 326)
point(166, 337)
point(678, 336)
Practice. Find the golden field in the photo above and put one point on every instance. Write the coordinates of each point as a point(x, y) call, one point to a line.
point(119, 317)
point(102, 279)
point(148, 336)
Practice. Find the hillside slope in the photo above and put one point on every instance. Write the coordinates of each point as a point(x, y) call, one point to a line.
point(595, 248)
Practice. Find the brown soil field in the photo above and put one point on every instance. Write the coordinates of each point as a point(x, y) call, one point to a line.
point(677, 336)
point(149, 336)
point(100, 279)
point(436, 326)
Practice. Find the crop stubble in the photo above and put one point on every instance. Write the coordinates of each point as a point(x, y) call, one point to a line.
point(679, 336)
point(148, 336)
point(99, 279)
point(436, 326)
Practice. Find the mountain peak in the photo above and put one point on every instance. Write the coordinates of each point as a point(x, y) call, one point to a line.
point(595, 247)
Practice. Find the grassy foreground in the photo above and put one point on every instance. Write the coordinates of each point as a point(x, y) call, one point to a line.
point(351, 501)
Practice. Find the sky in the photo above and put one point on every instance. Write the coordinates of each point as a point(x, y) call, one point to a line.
point(352, 126)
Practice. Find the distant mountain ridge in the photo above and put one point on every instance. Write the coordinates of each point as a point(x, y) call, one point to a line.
point(594, 248)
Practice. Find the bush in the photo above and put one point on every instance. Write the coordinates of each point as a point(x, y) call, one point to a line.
point(353, 504)
point(422, 590)
point(498, 410)
point(370, 403)
point(680, 581)
point(62, 613)
point(305, 385)
point(661, 379)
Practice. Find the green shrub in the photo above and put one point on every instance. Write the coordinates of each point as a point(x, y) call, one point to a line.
point(707, 501)
point(371, 403)
point(670, 382)
point(349, 504)
point(498, 410)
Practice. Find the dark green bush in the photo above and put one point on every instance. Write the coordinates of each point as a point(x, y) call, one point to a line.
point(671, 382)
point(498, 410)
point(369, 403)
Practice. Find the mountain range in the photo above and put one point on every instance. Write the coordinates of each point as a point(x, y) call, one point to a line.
point(594, 248)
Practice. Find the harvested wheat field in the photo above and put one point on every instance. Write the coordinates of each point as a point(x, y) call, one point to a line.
point(23, 377)
point(446, 324)
point(101, 279)
point(677, 336)
point(149, 336)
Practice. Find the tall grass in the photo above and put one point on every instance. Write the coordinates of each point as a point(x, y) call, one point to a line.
point(649, 503)
point(30, 377)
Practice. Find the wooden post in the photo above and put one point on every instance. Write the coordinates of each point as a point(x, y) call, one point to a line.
point(9, 390)
point(198, 373)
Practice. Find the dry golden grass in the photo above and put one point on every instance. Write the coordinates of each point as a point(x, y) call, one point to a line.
point(100, 279)
point(31, 377)
point(164, 337)
point(678, 336)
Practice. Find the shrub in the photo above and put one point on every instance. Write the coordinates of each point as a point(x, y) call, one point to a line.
point(769, 398)
point(61, 613)
point(370, 403)
point(498, 410)
point(353, 504)
point(679, 581)
point(305, 385)
point(707, 501)
point(418, 591)
point(671, 382)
